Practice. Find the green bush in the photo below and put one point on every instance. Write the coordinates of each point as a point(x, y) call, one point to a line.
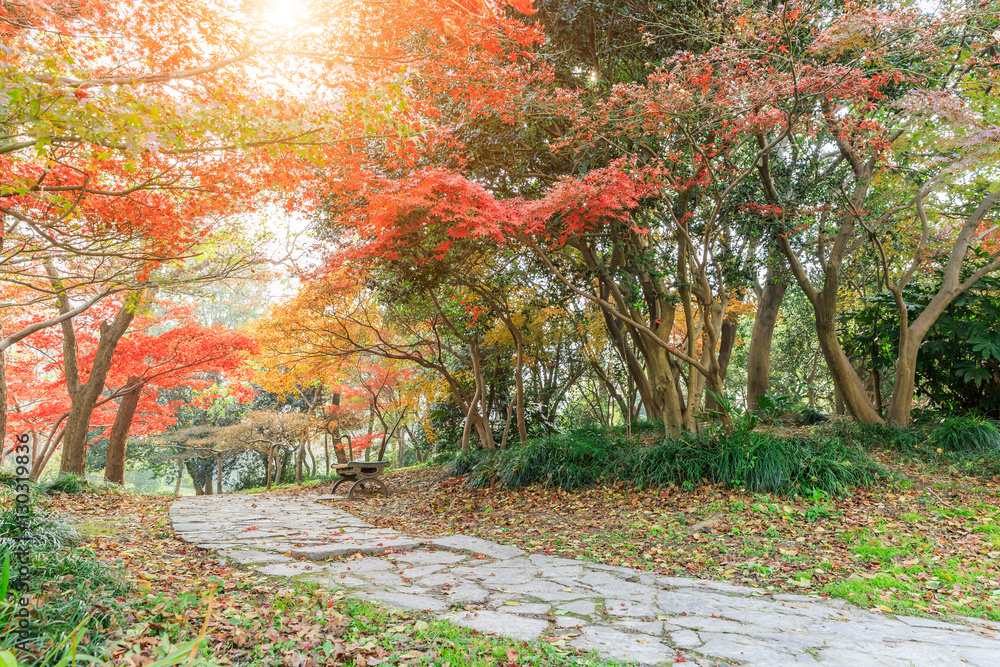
point(66, 483)
point(75, 592)
point(754, 461)
point(966, 436)
point(877, 436)
point(569, 461)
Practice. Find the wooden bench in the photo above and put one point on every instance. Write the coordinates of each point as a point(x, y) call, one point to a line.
point(363, 476)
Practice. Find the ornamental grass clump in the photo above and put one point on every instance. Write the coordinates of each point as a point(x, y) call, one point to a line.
point(757, 462)
point(967, 436)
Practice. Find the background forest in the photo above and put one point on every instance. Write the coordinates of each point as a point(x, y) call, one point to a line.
point(561, 215)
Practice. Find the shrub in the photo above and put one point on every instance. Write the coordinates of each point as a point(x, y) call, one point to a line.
point(810, 416)
point(754, 461)
point(75, 592)
point(569, 461)
point(66, 483)
point(877, 436)
point(966, 436)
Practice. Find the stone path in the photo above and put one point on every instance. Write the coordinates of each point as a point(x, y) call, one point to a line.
point(619, 612)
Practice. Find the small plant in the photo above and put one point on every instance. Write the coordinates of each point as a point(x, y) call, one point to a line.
point(66, 483)
point(966, 435)
point(810, 416)
point(773, 406)
point(877, 436)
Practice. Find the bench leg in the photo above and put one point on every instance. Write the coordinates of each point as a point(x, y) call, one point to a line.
point(367, 486)
point(339, 482)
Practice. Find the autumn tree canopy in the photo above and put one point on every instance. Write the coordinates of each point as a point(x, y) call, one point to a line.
point(514, 212)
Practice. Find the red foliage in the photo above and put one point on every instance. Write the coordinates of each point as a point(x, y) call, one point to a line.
point(184, 354)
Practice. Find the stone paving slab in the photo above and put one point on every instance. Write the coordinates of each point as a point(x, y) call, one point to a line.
point(477, 546)
point(618, 612)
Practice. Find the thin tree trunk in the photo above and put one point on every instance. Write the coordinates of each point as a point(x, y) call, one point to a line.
point(482, 417)
point(759, 353)
point(522, 426)
point(506, 426)
point(218, 467)
point(180, 477)
point(467, 429)
point(114, 467)
point(877, 389)
point(335, 436)
point(726, 343)
point(279, 464)
point(270, 465)
point(300, 455)
point(198, 489)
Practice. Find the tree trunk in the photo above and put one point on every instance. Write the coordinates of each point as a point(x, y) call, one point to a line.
point(467, 428)
point(845, 377)
point(838, 401)
point(338, 447)
point(759, 354)
point(522, 427)
point(300, 455)
point(279, 464)
point(506, 426)
point(270, 466)
point(902, 394)
point(84, 396)
point(877, 389)
point(180, 478)
point(726, 344)
point(198, 489)
point(482, 418)
point(824, 302)
point(218, 468)
point(114, 467)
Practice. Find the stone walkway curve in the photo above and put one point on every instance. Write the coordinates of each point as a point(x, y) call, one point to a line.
point(619, 612)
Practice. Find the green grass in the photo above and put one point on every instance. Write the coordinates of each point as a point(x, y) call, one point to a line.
point(967, 436)
point(449, 643)
point(901, 588)
point(756, 462)
point(877, 436)
point(364, 629)
point(75, 484)
point(74, 591)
